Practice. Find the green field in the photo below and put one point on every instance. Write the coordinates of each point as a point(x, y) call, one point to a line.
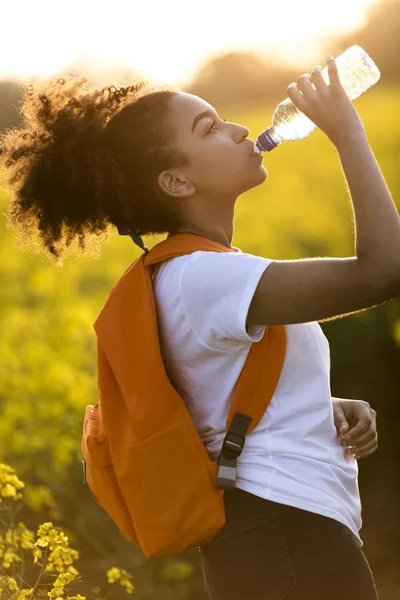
point(302, 210)
point(47, 344)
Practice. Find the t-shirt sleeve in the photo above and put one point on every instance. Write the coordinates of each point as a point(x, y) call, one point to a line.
point(216, 291)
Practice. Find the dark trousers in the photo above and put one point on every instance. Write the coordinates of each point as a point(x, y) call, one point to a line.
point(271, 551)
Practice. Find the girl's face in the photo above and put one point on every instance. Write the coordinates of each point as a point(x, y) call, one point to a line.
point(220, 155)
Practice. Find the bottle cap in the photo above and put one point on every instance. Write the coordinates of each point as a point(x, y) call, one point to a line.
point(265, 142)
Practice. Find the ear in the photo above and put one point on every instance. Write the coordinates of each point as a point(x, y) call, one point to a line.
point(176, 184)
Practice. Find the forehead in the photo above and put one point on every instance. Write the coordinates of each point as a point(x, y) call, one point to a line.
point(189, 105)
point(184, 108)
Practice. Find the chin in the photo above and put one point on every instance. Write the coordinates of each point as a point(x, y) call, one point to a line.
point(264, 171)
point(260, 177)
point(247, 183)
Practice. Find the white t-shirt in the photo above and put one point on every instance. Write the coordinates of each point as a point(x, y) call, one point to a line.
point(294, 455)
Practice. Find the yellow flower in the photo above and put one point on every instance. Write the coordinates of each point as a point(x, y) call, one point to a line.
point(114, 575)
point(177, 570)
point(55, 592)
point(10, 557)
point(44, 528)
point(61, 557)
point(58, 586)
point(52, 537)
point(8, 491)
point(21, 536)
point(127, 585)
point(37, 554)
point(9, 483)
point(22, 594)
point(12, 584)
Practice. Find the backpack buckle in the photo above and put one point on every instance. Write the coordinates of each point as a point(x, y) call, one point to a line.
point(226, 474)
point(227, 461)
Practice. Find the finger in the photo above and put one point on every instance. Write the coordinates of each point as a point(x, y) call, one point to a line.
point(296, 97)
point(363, 425)
point(362, 439)
point(360, 452)
point(305, 86)
point(357, 449)
point(357, 456)
point(366, 450)
point(333, 73)
point(317, 80)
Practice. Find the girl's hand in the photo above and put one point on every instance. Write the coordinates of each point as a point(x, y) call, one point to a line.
point(328, 106)
point(355, 422)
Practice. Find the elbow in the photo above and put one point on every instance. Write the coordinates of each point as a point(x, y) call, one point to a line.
point(392, 281)
point(384, 277)
point(378, 280)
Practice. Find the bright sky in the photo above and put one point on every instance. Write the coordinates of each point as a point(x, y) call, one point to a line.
point(165, 41)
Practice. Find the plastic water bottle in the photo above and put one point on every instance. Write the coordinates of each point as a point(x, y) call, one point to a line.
point(357, 72)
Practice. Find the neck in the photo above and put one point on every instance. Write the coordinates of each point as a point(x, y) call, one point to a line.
point(209, 217)
point(216, 236)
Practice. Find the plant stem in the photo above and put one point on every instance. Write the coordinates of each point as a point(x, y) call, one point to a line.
point(40, 574)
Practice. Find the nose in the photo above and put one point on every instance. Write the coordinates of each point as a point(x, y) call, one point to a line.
point(241, 133)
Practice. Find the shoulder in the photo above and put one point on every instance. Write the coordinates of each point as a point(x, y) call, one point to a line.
point(204, 266)
point(213, 290)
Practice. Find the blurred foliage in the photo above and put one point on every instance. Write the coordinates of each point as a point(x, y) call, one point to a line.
point(10, 96)
point(51, 552)
point(379, 36)
point(48, 352)
point(235, 77)
point(242, 77)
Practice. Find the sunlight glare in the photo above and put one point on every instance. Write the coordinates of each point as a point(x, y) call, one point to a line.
point(164, 42)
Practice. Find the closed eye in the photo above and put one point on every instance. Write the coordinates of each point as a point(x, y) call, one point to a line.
point(213, 126)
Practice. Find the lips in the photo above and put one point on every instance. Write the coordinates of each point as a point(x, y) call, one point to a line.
point(257, 155)
point(254, 151)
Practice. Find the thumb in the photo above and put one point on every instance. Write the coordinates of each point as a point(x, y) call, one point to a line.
point(340, 420)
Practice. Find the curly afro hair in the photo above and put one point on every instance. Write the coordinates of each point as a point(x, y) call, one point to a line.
point(85, 159)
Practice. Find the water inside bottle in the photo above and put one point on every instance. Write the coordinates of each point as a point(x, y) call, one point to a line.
point(357, 72)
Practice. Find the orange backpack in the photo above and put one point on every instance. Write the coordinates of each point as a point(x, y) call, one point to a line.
point(144, 461)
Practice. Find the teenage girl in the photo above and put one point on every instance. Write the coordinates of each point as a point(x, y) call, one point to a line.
point(162, 161)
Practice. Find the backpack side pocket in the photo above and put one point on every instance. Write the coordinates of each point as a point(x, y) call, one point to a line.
point(100, 474)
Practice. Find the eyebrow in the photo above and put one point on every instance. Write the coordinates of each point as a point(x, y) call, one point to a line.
point(206, 113)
